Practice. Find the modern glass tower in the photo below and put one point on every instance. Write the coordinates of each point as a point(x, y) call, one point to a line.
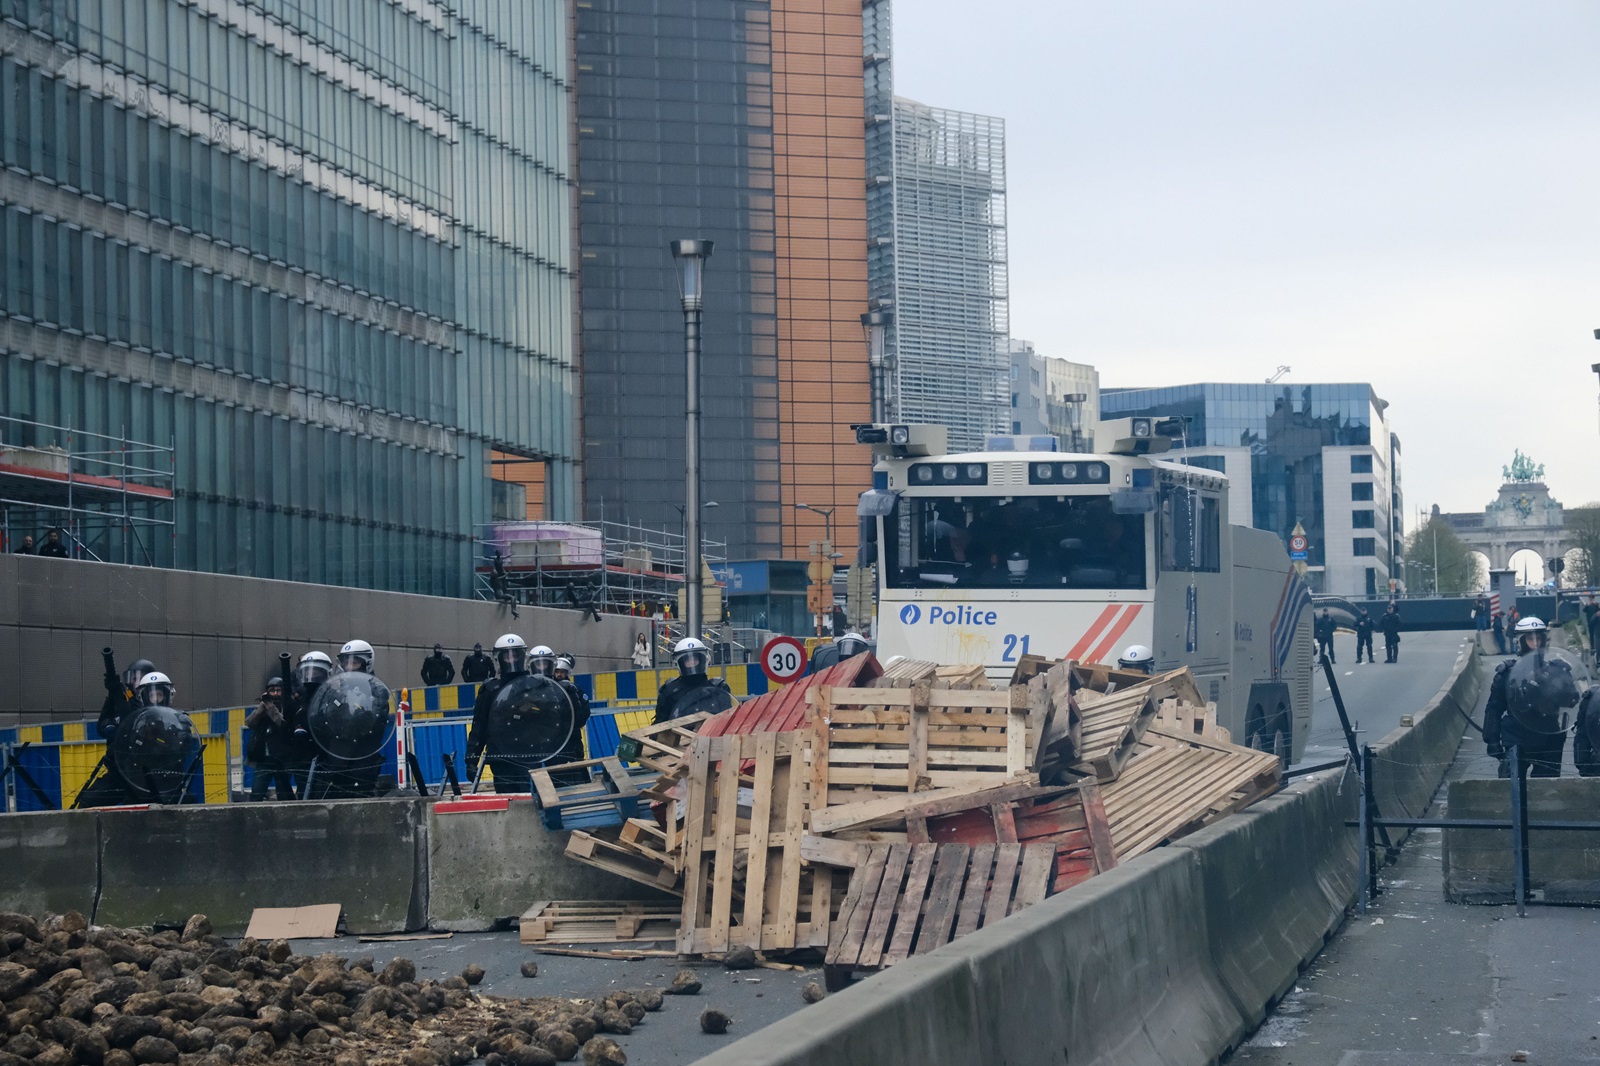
point(323, 248)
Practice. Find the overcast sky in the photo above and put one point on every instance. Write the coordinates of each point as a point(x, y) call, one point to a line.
point(1401, 193)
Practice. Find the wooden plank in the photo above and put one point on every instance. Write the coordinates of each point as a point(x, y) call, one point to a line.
point(832, 852)
point(1033, 879)
point(975, 890)
point(755, 895)
point(545, 789)
point(997, 900)
point(1005, 824)
point(694, 821)
point(1094, 816)
point(909, 911)
point(884, 810)
point(793, 781)
point(884, 907)
point(726, 828)
point(607, 856)
point(1017, 744)
point(817, 716)
point(943, 897)
point(856, 912)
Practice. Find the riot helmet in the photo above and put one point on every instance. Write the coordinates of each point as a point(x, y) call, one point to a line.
point(541, 660)
point(852, 643)
point(690, 655)
point(564, 664)
point(313, 668)
point(511, 655)
point(136, 669)
point(1531, 633)
point(356, 655)
point(1138, 657)
point(1016, 568)
point(155, 689)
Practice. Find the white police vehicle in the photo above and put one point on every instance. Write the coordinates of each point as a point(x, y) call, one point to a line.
point(985, 557)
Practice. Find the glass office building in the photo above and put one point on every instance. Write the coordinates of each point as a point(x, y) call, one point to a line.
point(1319, 455)
point(737, 121)
point(324, 249)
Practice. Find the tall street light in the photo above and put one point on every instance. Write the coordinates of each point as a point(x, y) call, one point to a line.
point(875, 324)
point(827, 520)
point(692, 256)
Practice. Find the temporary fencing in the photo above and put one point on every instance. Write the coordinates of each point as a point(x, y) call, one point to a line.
point(48, 775)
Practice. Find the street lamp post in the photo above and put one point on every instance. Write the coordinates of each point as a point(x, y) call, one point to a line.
point(827, 520)
point(826, 556)
point(691, 256)
point(876, 326)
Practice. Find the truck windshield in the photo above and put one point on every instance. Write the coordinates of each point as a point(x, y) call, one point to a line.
point(1030, 542)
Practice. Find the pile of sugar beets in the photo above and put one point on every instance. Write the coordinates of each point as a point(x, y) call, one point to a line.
point(119, 997)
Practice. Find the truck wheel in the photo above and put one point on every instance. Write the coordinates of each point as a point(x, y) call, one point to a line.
point(1283, 736)
point(1255, 729)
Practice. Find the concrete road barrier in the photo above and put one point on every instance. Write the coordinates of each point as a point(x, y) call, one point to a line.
point(1410, 761)
point(49, 862)
point(164, 864)
point(484, 866)
point(1564, 867)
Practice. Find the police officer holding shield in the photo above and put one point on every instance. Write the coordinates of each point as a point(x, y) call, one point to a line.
point(1527, 699)
point(523, 719)
point(692, 691)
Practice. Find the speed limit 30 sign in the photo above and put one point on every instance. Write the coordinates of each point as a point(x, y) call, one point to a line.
point(783, 659)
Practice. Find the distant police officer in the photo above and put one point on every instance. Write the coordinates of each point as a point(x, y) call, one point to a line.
point(478, 667)
point(107, 788)
point(573, 752)
point(1364, 636)
point(692, 690)
point(851, 645)
point(1324, 633)
point(437, 669)
point(511, 662)
point(1526, 700)
point(1138, 657)
point(1390, 624)
point(522, 714)
point(270, 742)
point(356, 717)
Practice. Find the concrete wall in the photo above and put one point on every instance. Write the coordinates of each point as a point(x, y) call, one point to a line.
point(394, 865)
point(1564, 867)
point(219, 637)
point(1410, 761)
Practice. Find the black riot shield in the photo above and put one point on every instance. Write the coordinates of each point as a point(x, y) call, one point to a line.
point(530, 722)
point(711, 699)
point(351, 716)
point(1539, 688)
point(155, 750)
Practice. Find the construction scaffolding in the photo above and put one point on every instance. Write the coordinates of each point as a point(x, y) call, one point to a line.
point(608, 568)
point(110, 496)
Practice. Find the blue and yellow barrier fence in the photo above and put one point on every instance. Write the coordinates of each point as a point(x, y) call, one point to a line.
point(57, 770)
point(66, 753)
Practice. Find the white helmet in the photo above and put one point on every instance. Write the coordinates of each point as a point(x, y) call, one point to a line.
point(690, 655)
point(852, 643)
point(1138, 657)
point(511, 654)
point(357, 651)
point(155, 689)
point(542, 660)
point(565, 662)
point(1531, 627)
point(313, 668)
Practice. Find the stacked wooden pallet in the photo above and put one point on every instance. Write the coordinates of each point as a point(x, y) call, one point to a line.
point(911, 805)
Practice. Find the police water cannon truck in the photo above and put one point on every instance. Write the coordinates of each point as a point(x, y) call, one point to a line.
point(984, 557)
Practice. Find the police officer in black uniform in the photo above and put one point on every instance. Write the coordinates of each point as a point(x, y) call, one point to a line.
point(478, 667)
point(109, 789)
point(1324, 634)
point(1526, 697)
point(1364, 636)
point(437, 669)
point(559, 669)
point(1390, 624)
point(1586, 734)
point(677, 695)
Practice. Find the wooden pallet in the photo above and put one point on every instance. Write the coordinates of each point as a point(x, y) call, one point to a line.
point(1098, 680)
point(1199, 720)
point(900, 672)
point(598, 922)
point(609, 797)
point(660, 747)
point(910, 811)
point(743, 877)
point(1111, 730)
point(1177, 783)
point(1074, 820)
point(915, 740)
point(624, 862)
point(907, 899)
point(1054, 715)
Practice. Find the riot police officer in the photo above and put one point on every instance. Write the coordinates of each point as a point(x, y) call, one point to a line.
point(1390, 624)
point(478, 667)
point(107, 788)
point(511, 662)
point(1586, 734)
point(1137, 657)
point(349, 774)
point(683, 695)
point(505, 747)
point(356, 655)
point(851, 644)
point(1526, 699)
point(573, 751)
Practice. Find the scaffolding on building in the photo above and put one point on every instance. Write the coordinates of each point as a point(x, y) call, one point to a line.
point(110, 496)
point(615, 568)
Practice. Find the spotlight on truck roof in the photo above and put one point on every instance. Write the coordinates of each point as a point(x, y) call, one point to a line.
point(899, 440)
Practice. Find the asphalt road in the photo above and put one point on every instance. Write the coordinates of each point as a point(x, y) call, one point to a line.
point(1376, 695)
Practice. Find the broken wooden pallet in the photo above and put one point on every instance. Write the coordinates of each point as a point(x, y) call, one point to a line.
point(1178, 783)
point(660, 747)
point(609, 797)
point(915, 740)
point(1074, 820)
point(1180, 716)
point(744, 882)
point(598, 922)
point(907, 899)
point(624, 862)
point(1055, 716)
point(900, 672)
point(1111, 730)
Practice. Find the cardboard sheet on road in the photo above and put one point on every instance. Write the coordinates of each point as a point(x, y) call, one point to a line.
point(294, 923)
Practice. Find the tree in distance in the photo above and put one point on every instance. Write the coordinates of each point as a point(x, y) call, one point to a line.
point(1460, 570)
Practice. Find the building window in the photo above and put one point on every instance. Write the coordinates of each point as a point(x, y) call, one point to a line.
point(1364, 546)
point(1362, 520)
point(1191, 531)
point(1013, 399)
point(1361, 464)
point(1016, 428)
point(1361, 490)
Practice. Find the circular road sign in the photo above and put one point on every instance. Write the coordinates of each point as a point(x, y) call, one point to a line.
point(783, 659)
point(1297, 543)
